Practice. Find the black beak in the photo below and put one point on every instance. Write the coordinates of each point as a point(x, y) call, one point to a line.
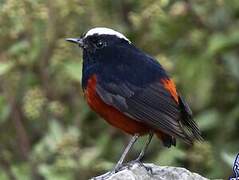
point(78, 41)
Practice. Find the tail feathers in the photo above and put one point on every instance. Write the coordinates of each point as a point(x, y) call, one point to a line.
point(188, 129)
point(167, 140)
point(189, 126)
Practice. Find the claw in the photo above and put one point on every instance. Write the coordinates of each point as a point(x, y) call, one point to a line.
point(103, 176)
point(128, 165)
point(108, 174)
point(131, 163)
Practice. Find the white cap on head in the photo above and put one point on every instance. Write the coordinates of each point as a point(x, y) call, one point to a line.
point(105, 31)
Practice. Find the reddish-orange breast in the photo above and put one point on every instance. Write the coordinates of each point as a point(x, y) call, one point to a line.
point(111, 114)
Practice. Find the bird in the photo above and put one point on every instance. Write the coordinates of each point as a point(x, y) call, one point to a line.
point(132, 91)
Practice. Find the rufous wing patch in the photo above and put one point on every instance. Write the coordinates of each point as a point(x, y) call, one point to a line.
point(170, 86)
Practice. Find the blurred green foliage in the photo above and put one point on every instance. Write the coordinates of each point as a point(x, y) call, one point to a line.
point(48, 131)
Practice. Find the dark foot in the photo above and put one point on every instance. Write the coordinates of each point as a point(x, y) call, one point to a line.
point(128, 165)
point(103, 176)
point(108, 174)
point(131, 163)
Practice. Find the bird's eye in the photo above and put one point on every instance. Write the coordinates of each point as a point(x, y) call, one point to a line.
point(100, 44)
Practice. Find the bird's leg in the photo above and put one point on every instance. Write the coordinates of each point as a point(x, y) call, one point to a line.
point(141, 155)
point(121, 160)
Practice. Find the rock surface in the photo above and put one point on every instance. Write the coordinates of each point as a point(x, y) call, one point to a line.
point(138, 172)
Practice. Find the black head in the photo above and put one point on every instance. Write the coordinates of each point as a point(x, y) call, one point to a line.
point(99, 38)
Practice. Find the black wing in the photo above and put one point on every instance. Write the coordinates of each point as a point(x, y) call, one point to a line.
point(152, 105)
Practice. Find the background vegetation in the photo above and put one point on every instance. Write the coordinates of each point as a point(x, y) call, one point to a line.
point(48, 131)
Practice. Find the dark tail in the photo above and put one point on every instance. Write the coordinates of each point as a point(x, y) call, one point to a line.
point(167, 140)
point(187, 123)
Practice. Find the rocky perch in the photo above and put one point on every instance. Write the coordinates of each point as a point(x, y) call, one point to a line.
point(139, 172)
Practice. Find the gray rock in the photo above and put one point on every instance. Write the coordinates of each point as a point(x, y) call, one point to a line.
point(138, 172)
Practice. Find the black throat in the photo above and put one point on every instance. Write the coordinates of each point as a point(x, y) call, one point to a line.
point(90, 67)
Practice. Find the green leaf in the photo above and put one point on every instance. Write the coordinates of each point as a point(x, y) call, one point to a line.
point(73, 70)
point(5, 67)
point(170, 156)
point(21, 171)
point(4, 109)
point(232, 63)
point(228, 158)
point(19, 47)
point(219, 42)
point(207, 119)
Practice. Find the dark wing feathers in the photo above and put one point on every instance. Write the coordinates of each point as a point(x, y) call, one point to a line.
point(187, 121)
point(131, 81)
point(152, 105)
